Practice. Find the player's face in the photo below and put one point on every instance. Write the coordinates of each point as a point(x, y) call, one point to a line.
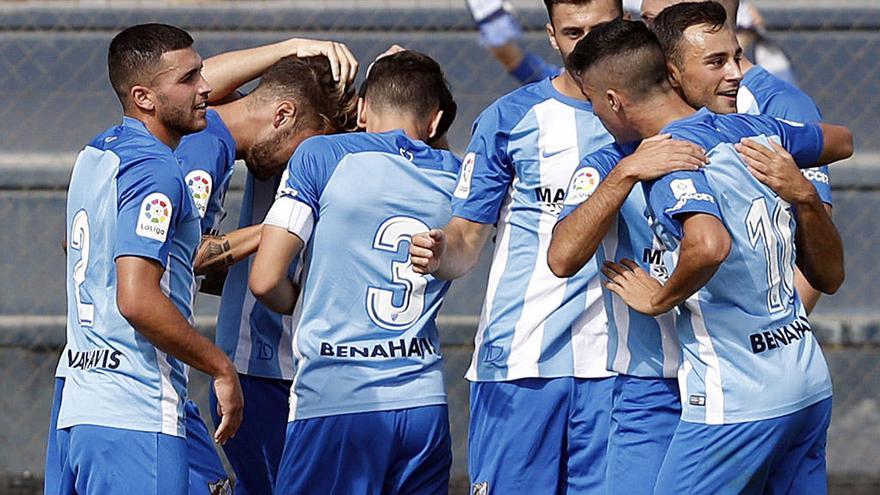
point(269, 156)
point(182, 92)
point(652, 8)
point(571, 22)
point(709, 73)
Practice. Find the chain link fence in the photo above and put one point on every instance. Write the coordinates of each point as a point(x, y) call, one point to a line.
point(56, 97)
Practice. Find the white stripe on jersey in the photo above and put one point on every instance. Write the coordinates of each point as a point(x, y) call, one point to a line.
point(714, 392)
point(589, 336)
point(557, 132)
point(622, 357)
point(170, 400)
point(668, 333)
point(297, 354)
point(746, 102)
point(243, 347)
point(499, 266)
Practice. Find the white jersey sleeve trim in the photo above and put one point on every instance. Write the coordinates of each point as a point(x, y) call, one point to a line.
point(292, 215)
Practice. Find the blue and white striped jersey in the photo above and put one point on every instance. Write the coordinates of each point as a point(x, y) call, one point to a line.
point(365, 336)
point(521, 156)
point(761, 92)
point(257, 339)
point(208, 160)
point(638, 344)
point(127, 197)
point(749, 352)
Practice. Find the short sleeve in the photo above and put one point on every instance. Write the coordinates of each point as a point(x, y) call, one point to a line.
point(796, 106)
point(486, 171)
point(676, 194)
point(297, 203)
point(803, 140)
point(590, 172)
point(150, 206)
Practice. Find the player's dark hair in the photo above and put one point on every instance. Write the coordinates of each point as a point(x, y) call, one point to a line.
point(322, 103)
point(627, 50)
point(408, 81)
point(135, 52)
point(671, 23)
point(551, 3)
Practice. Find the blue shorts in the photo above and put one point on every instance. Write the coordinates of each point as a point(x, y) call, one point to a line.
point(539, 435)
point(97, 460)
point(206, 473)
point(406, 451)
point(779, 455)
point(644, 415)
point(255, 451)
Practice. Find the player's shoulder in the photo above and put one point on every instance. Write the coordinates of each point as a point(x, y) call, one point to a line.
point(780, 98)
point(700, 128)
point(511, 108)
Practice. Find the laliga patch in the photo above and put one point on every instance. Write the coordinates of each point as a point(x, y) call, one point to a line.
point(680, 187)
point(583, 184)
point(463, 189)
point(199, 183)
point(481, 488)
point(154, 217)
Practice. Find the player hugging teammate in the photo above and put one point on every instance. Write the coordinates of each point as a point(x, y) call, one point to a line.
point(656, 255)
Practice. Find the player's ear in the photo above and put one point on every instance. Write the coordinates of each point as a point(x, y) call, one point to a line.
point(674, 75)
point(362, 113)
point(142, 98)
point(285, 114)
point(614, 101)
point(551, 35)
point(435, 123)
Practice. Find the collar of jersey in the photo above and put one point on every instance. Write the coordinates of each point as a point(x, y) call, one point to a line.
point(135, 124)
point(548, 89)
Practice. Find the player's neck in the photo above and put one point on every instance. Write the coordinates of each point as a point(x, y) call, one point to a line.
point(653, 114)
point(746, 65)
point(239, 117)
point(160, 131)
point(384, 123)
point(566, 85)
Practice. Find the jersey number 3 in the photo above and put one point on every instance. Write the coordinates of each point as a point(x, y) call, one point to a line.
point(79, 241)
point(380, 301)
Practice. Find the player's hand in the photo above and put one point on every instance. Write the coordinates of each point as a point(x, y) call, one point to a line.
point(633, 285)
point(660, 155)
point(426, 249)
point(777, 170)
point(343, 65)
point(230, 405)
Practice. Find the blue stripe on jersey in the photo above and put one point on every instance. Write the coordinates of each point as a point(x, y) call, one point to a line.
point(115, 376)
point(257, 339)
point(750, 354)
point(208, 160)
point(764, 93)
point(366, 339)
point(521, 156)
point(638, 345)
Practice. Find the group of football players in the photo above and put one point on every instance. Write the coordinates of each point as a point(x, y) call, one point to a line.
point(661, 219)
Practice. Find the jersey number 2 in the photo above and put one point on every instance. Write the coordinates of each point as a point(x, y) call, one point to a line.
point(776, 237)
point(380, 302)
point(79, 241)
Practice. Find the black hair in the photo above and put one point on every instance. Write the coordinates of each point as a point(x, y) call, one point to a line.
point(408, 81)
point(135, 52)
point(549, 4)
point(671, 23)
point(308, 81)
point(633, 52)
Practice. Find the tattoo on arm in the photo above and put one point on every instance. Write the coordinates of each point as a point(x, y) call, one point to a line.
point(214, 254)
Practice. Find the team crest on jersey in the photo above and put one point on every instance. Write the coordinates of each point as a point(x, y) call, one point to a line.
point(463, 189)
point(481, 488)
point(199, 183)
point(583, 184)
point(155, 217)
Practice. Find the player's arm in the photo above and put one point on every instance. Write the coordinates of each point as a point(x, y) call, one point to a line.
point(449, 253)
point(268, 279)
point(577, 236)
point(141, 301)
point(216, 253)
point(837, 143)
point(819, 247)
point(226, 72)
point(705, 244)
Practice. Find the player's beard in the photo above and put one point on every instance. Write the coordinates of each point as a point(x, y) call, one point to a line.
point(261, 158)
point(182, 121)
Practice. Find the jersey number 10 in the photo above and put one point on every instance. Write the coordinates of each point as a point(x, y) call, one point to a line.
point(776, 237)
